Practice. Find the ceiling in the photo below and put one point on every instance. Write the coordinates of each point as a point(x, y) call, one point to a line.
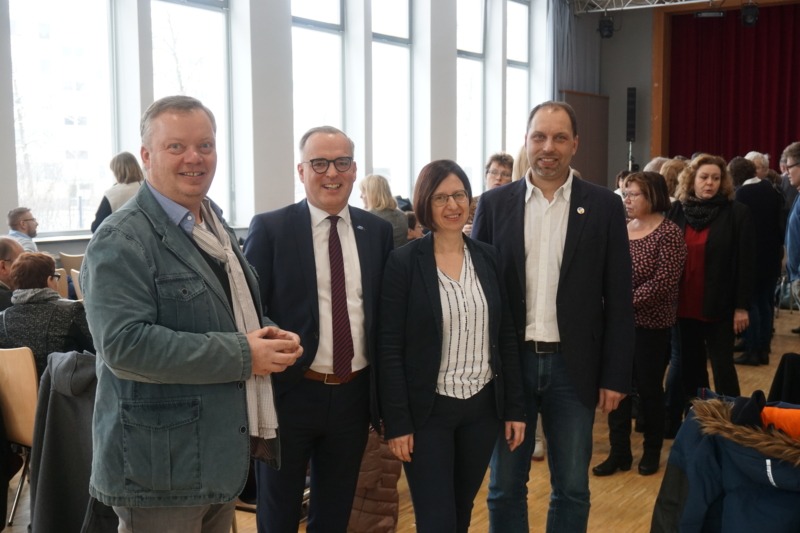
point(602, 6)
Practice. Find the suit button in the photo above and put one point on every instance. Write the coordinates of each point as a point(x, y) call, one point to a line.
point(240, 385)
point(243, 430)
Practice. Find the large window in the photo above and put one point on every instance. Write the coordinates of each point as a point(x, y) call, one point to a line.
point(517, 74)
point(190, 58)
point(391, 95)
point(318, 68)
point(470, 149)
point(62, 108)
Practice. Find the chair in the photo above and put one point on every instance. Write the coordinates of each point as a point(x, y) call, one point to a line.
point(76, 283)
point(19, 386)
point(70, 262)
point(63, 284)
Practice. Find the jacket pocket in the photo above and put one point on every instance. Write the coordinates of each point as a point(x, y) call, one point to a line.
point(184, 303)
point(161, 444)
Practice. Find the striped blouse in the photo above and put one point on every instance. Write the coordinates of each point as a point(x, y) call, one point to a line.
point(464, 369)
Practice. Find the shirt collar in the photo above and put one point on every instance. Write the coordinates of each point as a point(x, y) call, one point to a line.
point(565, 190)
point(318, 215)
point(178, 214)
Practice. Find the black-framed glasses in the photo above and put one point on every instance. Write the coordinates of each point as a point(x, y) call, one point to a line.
point(320, 164)
point(28, 220)
point(790, 167)
point(440, 200)
point(56, 275)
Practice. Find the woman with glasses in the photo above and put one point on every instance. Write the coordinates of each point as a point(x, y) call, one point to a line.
point(657, 253)
point(38, 318)
point(448, 363)
point(498, 172)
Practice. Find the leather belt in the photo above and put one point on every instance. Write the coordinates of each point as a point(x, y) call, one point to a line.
point(331, 379)
point(543, 347)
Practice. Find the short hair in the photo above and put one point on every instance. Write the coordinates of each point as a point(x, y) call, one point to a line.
point(31, 270)
point(552, 104)
point(379, 195)
point(741, 169)
point(16, 215)
point(180, 103)
point(521, 165)
point(654, 189)
point(621, 175)
point(758, 158)
point(655, 164)
point(501, 158)
point(671, 169)
point(686, 179)
point(126, 168)
point(428, 180)
point(793, 151)
point(7, 247)
point(412, 220)
point(325, 129)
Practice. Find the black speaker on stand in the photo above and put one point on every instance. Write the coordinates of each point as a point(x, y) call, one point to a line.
point(630, 125)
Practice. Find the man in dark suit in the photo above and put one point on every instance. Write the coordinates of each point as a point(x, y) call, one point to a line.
point(323, 409)
point(564, 251)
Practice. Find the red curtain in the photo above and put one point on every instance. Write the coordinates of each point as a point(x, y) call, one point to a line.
point(735, 89)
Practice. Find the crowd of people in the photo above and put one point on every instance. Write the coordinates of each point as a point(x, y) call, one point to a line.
point(454, 329)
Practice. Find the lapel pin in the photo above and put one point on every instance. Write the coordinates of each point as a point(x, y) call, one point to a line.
point(360, 227)
point(581, 210)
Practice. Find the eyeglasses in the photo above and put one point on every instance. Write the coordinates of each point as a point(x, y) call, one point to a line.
point(56, 275)
point(632, 195)
point(493, 172)
point(320, 164)
point(28, 220)
point(790, 167)
point(440, 200)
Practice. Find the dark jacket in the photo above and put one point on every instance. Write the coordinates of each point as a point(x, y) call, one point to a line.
point(410, 336)
point(766, 208)
point(726, 477)
point(730, 259)
point(42, 321)
point(594, 304)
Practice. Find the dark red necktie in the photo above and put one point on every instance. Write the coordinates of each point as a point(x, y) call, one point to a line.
point(342, 337)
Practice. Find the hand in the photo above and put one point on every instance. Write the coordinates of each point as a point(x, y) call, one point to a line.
point(467, 229)
point(515, 434)
point(741, 319)
point(609, 400)
point(402, 447)
point(273, 350)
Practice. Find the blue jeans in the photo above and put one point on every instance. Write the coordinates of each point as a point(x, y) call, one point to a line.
point(567, 425)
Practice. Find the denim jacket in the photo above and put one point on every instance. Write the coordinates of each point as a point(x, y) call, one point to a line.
point(170, 418)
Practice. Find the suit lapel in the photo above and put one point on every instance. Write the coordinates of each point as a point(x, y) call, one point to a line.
point(516, 219)
point(362, 245)
point(299, 232)
point(579, 207)
point(426, 263)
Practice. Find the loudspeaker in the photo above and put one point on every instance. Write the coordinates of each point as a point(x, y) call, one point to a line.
point(630, 123)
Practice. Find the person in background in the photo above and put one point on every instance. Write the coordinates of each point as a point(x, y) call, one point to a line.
point(566, 264)
point(414, 227)
point(655, 164)
point(497, 173)
point(378, 200)
point(671, 169)
point(658, 252)
point(521, 165)
point(320, 265)
point(449, 367)
point(761, 161)
point(792, 240)
point(9, 251)
point(38, 318)
point(129, 178)
point(22, 227)
point(766, 206)
point(619, 179)
point(717, 283)
point(176, 317)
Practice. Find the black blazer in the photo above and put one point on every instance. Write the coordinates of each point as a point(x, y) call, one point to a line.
point(280, 247)
point(730, 259)
point(410, 336)
point(594, 304)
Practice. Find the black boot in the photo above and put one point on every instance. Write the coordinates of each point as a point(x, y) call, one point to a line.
point(612, 464)
point(649, 463)
point(747, 358)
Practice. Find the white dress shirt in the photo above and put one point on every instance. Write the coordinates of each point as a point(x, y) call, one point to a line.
point(320, 229)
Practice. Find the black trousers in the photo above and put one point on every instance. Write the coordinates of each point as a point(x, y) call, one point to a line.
point(651, 355)
point(702, 341)
point(451, 455)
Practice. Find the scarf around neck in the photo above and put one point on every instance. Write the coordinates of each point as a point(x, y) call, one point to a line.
point(700, 213)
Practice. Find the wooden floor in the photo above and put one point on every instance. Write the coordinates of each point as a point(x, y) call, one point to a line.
point(622, 502)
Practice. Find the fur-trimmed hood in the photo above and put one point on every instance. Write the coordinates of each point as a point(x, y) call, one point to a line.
point(714, 418)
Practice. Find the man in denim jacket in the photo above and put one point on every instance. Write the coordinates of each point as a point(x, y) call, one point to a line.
point(175, 313)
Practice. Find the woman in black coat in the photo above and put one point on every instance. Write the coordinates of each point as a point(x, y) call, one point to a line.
point(448, 362)
point(717, 282)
